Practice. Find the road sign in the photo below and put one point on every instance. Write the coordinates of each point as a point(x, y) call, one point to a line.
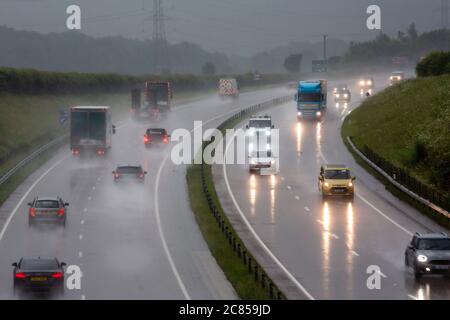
point(400, 60)
point(319, 66)
point(63, 117)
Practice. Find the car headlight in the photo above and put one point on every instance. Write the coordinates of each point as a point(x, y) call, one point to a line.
point(350, 184)
point(326, 184)
point(422, 258)
point(369, 83)
point(337, 95)
point(318, 113)
point(345, 95)
point(362, 82)
point(268, 147)
point(299, 113)
point(268, 132)
point(251, 132)
point(253, 161)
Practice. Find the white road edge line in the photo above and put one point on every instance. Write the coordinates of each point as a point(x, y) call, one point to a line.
point(262, 244)
point(157, 213)
point(11, 216)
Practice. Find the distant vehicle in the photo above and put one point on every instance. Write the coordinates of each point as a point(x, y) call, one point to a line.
point(128, 173)
point(366, 85)
point(342, 94)
point(47, 209)
point(228, 88)
point(336, 180)
point(38, 274)
point(428, 253)
point(156, 136)
point(157, 101)
point(91, 130)
point(311, 99)
point(292, 85)
point(260, 155)
point(396, 77)
point(340, 86)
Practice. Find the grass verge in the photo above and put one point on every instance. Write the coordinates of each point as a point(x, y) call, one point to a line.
point(236, 272)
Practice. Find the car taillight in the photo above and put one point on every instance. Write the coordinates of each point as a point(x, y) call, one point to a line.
point(100, 152)
point(166, 139)
point(57, 275)
point(75, 152)
point(146, 139)
point(116, 175)
point(141, 176)
point(61, 212)
point(32, 212)
point(21, 275)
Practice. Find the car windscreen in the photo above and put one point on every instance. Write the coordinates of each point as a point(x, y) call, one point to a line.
point(156, 132)
point(337, 174)
point(309, 97)
point(51, 204)
point(434, 244)
point(39, 264)
point(129, 170)
point(260, 123)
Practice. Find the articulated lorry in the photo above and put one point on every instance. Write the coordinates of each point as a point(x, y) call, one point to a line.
point(311, 99)
point(91, 130)
point(157, 101)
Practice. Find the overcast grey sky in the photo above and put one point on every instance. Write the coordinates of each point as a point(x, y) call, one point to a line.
point(231, 26)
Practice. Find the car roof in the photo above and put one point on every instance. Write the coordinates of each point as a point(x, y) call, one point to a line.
point(39, 258)
point(48, 198)
point(90, 107)
point(336, 166)
point(161, 130)
point(130, 166)
point(432, 235)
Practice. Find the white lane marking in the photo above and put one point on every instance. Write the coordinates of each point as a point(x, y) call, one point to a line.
point(375, 208)
point(89, 198)
point(83, 297)
point(282, 178)
point(297, 197)
point(307, 209)
point(289, 187)
point(258, 239)
point(334, 236)
point(85, 210)
point(80, 237)
point(319, 221)
point(80, 254)
point(93, 188)
point(157, 213)
point(355, 253)
point(384, 215)
point(82, 222)
point(412, 297)
point(13, 212)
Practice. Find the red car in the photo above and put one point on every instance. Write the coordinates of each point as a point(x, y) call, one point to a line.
point(155, 136)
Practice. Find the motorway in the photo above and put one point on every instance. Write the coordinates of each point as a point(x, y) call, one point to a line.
point(130, 241)
point(328, 245)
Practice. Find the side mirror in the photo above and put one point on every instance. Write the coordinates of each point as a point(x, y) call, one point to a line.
point(114, 129)
point(66, 204)
point(14, 264)
point(295, 97)
point(29, 204)
point(246, 127)
point(273, 127)
point(113, 172)
point(63, 264)
point(145, 172)
point(353, 178)
point(320, 178)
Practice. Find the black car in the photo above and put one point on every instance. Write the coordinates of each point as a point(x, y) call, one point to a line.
point(38, 274)
point(156, 136)
point(428, 253)
point(129, 173)
point(47, 209)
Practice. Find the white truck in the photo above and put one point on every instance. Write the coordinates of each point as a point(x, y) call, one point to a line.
point(260, 148)
point(228, 88)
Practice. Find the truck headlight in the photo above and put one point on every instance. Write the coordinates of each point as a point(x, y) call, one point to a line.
point(251, 132)
point(268, 132)
point(318, 113)
point(422, 258)
point(362, 82)
point(250, 147)
point(299, 114)
point(326, 184)
point(337, 95)
point(268, 147)
point(350, 184)
point(369, 83)
point(253, 161)
point(345, 95)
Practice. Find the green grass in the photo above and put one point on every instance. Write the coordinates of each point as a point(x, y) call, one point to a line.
point(233, 267)
point(399, 120)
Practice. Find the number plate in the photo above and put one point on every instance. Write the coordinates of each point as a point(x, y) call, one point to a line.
point(38, 278)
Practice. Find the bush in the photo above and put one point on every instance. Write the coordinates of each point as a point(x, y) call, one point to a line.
point(434, 64)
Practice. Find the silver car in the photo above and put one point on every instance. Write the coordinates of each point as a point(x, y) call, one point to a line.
point(47, 209)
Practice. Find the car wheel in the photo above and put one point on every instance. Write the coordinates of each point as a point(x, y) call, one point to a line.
point(30, 222)
point(417, 273)
point(406, 261)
